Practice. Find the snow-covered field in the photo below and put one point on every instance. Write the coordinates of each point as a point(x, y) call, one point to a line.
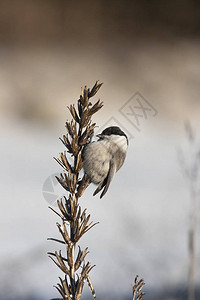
point(144, 217)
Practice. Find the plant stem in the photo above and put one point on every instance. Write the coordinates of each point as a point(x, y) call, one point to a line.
point(72, 273)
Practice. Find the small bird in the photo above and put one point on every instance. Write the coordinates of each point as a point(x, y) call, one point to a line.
point(103, 158)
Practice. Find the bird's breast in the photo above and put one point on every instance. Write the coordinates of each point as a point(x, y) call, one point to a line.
point(96, 161)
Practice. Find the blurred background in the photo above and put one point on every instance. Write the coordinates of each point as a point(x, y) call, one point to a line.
point(48, 51)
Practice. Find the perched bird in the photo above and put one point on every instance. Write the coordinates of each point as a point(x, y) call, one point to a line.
point(103, 158)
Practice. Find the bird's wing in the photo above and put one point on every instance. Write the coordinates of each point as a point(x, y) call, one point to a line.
point(109, 178)
point(101, 185)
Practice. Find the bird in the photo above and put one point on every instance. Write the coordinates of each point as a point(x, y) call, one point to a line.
point(104, 157)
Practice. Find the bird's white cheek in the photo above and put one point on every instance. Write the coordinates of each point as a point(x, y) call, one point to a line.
point(120, 141)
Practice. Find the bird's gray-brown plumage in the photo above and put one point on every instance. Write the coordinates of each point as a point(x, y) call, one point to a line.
point(103, 158)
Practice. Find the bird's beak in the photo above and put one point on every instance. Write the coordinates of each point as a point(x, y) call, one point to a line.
point(99, 136)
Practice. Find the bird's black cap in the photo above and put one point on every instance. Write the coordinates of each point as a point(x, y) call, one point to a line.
point(113, 130)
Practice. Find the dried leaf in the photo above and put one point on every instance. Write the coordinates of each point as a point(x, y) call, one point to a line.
point(85, 270)
point(74, 113)
point(90, 286)
point(65, 287)
point(64, 233)
point(97, 106)
point(62, 209)
point(83, 215)
point(56, 212)
point(79, 289)
point(65, 161)
point(63, 183)
point(84, 223)
point(137, 294)
point(60, 290)
point(85, 96)
point(62, 265)
point(82, 186)
point(95, 89)
point(87, 228)
point(80, 257)
point(66, 143)
point(69, 128)
point(53, 254)
point(56, 240)
point(80, 110)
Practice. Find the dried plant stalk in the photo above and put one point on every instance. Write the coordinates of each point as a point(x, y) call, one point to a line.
point(191, 169)
point(137, 289)
point(79, 133)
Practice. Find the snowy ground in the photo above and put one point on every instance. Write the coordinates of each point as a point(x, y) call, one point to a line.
point(144, 218)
